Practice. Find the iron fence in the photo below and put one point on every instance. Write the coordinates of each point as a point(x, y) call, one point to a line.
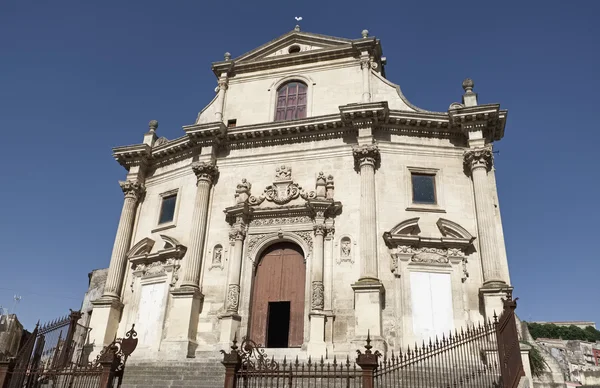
point(486, 355)
point(463, 359)
point(53, 357)
point(257, 370)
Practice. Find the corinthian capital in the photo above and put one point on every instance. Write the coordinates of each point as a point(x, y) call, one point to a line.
point(320, 229)
point(205, 171)
point(479, 157)
point(366, 154)
point(132, 189)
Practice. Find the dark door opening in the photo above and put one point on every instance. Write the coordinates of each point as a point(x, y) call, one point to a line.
point(278, 325)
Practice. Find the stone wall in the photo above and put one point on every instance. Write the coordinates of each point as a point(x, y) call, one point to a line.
point(11, 331)
point(97, 279)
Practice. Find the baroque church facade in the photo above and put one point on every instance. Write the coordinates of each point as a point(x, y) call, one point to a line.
point(309, 205)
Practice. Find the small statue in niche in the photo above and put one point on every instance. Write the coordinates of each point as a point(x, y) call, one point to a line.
point(346, 247)
point(217, 255)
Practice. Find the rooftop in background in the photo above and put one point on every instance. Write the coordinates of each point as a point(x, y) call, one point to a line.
point(581, 324)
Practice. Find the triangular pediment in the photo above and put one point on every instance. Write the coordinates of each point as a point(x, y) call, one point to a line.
point(293, 43)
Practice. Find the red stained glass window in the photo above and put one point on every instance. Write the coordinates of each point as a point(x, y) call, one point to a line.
point(291, 101)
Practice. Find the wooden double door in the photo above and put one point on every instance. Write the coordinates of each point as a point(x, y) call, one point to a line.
point(278, 290)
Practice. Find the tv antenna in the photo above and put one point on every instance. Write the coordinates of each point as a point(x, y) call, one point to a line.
point(17, 299)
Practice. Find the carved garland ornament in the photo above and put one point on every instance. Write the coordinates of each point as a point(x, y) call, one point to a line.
point(253, 240)
point(318, 301)
point(233, 298)
point(280, 221)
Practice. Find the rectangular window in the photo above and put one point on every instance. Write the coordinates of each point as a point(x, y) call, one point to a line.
point(231, 123)
point(423, 188)
point(167, 209)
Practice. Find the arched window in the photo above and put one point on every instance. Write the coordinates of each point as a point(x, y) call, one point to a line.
point(291, 101)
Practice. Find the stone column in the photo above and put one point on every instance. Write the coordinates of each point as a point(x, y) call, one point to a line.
point(316, 345)
point(180, 338)
point(368, 289)
point(206, 172)
point(366, 158)
point(230, 320)
point(107, 309)
point(365, 65)
point(116, 271)
point(223, 85)
point(479, 161)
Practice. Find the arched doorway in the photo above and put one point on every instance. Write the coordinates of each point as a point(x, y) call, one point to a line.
point(277, 312)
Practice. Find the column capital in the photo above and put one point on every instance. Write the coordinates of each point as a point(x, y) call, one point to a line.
point(223, 83)
point(479, 157)
point(132, 189)
point(365, 61)
point(366, 154)
point(320, 229)
point(205, 171)
point(237, 232)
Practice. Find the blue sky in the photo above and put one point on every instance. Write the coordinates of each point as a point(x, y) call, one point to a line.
point(79, 77)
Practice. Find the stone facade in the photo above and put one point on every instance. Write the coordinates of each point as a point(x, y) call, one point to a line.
point(336, 182)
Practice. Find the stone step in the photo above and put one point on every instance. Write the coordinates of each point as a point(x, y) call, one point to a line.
point(210, 374)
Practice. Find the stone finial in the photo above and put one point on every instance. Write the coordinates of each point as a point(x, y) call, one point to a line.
point(320, 186)
point(297, 28)
point(227, 56)
point(153, 125)
point(365, 33)
point(470, 97)
point(468, 85)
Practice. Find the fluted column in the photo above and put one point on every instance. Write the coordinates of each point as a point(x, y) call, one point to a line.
point(206, 173)
point(367, 158)
point(316, 273)
point(479, 161)
point(238, 234)
point(116, 271)
point(223, 85)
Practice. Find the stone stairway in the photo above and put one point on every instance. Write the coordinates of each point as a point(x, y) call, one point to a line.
point(210, 373)
point(203, 373)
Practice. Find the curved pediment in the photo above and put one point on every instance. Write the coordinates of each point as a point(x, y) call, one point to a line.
point(143, 247)
point(170, 242)
point(407, 227)
point(452, 229)
point(407, 233)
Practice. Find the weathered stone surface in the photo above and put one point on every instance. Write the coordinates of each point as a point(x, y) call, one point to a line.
point(337, 184)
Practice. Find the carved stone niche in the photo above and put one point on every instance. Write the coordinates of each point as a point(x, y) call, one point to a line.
point(345, 250)
point(406, 245)
point(217, 255)
point(163, 263)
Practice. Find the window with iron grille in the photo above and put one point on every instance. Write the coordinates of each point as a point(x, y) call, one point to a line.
point(291, 101)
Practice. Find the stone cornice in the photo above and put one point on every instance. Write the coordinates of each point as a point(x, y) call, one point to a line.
point(456, 124)
point(489, 119)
